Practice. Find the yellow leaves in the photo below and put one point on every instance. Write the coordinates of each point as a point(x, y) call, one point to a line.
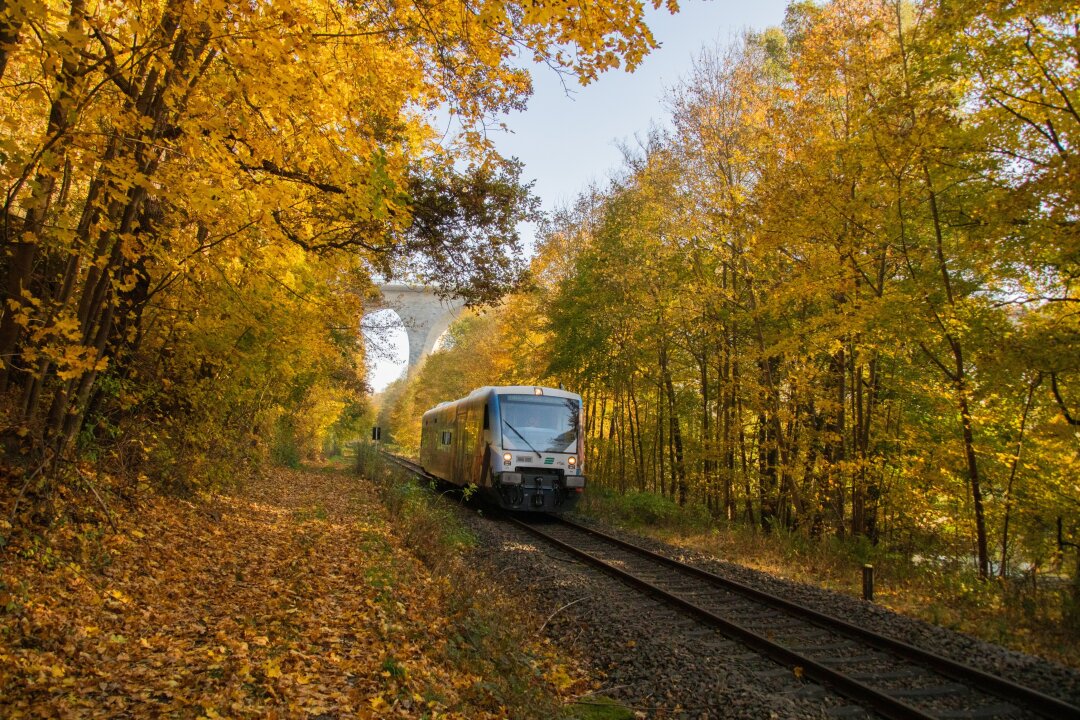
point(35, 94)
point(561, 679)
point(67, 327)
point(77, 360)
point(21, 314)
point(118, 595)
point(127, 283)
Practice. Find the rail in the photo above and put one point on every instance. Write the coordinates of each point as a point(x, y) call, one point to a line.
point(884, 701)
point(875, 698)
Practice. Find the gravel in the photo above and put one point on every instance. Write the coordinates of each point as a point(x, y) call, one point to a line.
point(662, 664)
point(649, 657)
point(1049, 677)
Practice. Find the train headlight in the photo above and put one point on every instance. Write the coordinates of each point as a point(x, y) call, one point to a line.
point(538, 391)
point(507, 458)
point(571, 461)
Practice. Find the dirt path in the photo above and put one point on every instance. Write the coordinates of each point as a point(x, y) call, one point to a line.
point(292, 599)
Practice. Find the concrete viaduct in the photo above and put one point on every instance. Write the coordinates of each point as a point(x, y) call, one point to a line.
point(424, 314)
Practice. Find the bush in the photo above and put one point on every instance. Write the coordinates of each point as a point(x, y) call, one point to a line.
point(636, 509)
point(285, 450)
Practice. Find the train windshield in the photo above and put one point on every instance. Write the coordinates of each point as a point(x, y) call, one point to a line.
point(539, 424)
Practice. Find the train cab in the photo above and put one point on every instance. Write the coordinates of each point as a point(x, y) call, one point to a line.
point(522, 446)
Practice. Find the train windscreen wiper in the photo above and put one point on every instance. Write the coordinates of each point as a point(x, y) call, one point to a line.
point(518, 433)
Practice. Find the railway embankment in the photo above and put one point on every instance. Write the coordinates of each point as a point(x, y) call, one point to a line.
point(1028, 612)
point(663, 663)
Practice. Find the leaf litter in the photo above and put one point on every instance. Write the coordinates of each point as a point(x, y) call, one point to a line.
point(292, 598)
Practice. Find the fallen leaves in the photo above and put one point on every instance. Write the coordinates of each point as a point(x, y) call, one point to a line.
point(244, 606)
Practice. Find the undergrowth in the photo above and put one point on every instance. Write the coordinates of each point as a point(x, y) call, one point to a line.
point(493, 638)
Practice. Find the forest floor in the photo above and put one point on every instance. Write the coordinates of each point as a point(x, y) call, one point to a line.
point(294, 597)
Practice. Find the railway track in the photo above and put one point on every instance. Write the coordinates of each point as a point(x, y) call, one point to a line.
point(878, 674)
point(406, 464)
point(889, 677)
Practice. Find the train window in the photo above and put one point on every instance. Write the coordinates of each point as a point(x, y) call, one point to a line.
point(446, 437)
point(539, 423)
point(487, 423)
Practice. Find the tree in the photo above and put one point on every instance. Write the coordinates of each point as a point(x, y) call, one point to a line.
point(274, 155)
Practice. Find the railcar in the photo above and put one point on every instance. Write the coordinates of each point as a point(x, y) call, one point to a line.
point(522, 446)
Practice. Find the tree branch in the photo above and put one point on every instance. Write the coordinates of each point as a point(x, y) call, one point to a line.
point(1061, 401)
point(271, 168)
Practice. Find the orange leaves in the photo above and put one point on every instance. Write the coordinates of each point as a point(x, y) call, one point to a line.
point(248, 606)
point(269, 138)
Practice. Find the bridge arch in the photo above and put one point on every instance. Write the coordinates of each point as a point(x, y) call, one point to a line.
point(424, 314)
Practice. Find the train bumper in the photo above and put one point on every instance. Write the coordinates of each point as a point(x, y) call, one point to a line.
point(537, 491)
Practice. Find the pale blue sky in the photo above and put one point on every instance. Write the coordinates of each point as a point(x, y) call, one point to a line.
point(567, 142)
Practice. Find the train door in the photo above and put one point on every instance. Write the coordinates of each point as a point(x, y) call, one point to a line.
point(460, 469)
point(481, 450)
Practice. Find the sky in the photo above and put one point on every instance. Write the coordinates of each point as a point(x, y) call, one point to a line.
point(569, 141)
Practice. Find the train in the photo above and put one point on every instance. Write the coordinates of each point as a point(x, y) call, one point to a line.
point(521, 446)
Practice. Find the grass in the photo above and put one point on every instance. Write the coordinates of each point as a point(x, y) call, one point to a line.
point(428, 527)
point(1031, 615)
point(495, 638)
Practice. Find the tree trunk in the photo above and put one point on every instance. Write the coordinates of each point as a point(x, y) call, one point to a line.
point(960, 384)
point(973, 475)
point(618, 422)
point(678, 471)
point(11, 21)
point(25, 248)
point(662, 446)
point(1003, 567)
point(706, 439)
point(636, 435)
point(834, 450)
point(870, 483)
point(726, 442)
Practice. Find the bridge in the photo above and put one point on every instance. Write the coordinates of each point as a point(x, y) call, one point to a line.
point(424, 314)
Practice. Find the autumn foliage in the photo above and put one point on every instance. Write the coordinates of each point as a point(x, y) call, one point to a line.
point(198, 195)
point(294, 599)
point(837, 296)
point(198, 199)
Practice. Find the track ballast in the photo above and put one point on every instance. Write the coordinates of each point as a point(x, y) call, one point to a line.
point(877, 674)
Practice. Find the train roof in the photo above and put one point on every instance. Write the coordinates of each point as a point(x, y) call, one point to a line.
point(521, 390)
point(510, 390)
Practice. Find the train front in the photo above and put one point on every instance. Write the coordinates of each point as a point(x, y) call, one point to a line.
point(537, 451)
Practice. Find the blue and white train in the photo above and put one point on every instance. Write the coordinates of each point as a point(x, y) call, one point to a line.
point(521, 445)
